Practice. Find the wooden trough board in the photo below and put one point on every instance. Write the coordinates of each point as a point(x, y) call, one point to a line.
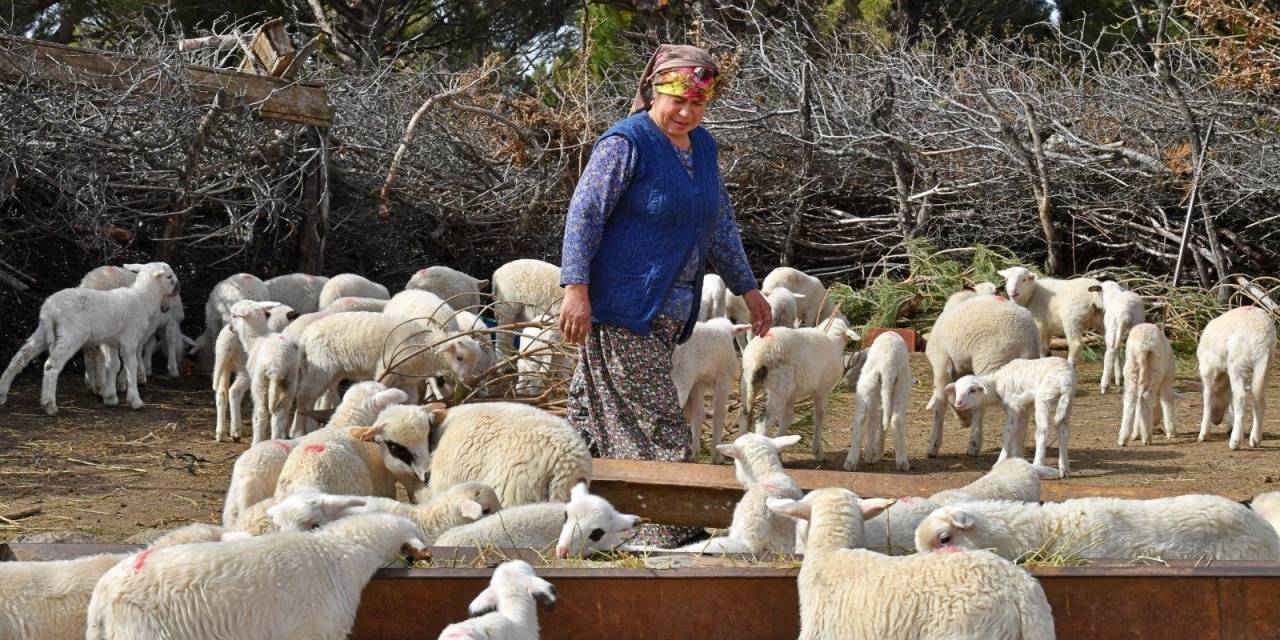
point(703, 495)
point(725, 598)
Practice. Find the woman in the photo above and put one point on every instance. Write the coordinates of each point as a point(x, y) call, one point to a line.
point(648, 214)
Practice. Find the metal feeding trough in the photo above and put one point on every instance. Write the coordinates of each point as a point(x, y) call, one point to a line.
point(679, 597)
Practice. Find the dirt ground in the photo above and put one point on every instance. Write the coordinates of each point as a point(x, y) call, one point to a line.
point(111, 472)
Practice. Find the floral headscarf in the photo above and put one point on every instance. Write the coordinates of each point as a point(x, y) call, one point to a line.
point(674, 70)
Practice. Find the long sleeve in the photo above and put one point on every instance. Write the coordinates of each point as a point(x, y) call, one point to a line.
point(725, 250)
point(606, 176)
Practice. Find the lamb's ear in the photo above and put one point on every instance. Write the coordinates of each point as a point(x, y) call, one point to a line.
point(730, 450)
point(484, 603)
point(782, 442)
point(132, 266)
point(852, 335)
point(741, 329)
point(366, 434)
point(627, 522)
point(543, 593)
point(949, 390)
point(388, 397)
point(871, 507)
point(1006, 272)
point(579, 490)
point(788, 507)
point(961, 519)
point(436, 412)
point(471, 510)
point(336, 507)
point(482, 284)
point(777, 486)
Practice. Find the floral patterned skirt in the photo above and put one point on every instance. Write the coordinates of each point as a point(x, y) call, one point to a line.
point(624, 403)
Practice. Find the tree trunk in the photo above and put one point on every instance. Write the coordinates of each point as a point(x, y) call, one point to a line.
point(315, 204)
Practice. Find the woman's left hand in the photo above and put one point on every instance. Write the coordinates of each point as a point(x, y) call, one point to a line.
point(761, 314)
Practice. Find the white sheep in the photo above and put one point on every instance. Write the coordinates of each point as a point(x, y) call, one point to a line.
point(424, 305)
point(526, 454)
point(784, 307)
point(1121, 311)
point(976, 336)
point(544, 359)
point(356, 303)
point(168, 327)
point(117, 319)
point(847, 592)
point(715, 295)
point(274, 374)
point(978, 289)
point(1061, 308)
point(735, 309)
point(791, 365)
point(455, 287)
point(1009, 479)
point(366, 461)
point(756, 456)
point(236, 589)
point(525, 289)
point(1235, 356)
point(585, 524)
point(1192, 527)
point(463, 503)
point(506, 610)
point(755, 528)
point(880, 397)
point(250, 321)
point(813, 304)
point(1267, 505)
point(1044, 385)
point(1149, 370)
point(217, 309)
point(351, 285)
point(47, 600)
point(705, 362)
point(489, 357)
point(301, 291)
point(363, 345)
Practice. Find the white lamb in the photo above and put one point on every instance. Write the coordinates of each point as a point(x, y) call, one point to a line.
point(117, 319)
point(1193, 527)
point(489, 357)
point(812, 301)
point(217, 309)
point(1235, 356)
point(48, 600)
point(363, 345)
point(880, 397)
point(976, 336)
point(1044, 385)
point(351, 285)
point(167, 332)
point(274, 374)
point(715, 295)
point(735, 309)
point(784, 307)
point(466, 502)
point(234, 589)
point(1061, 308)
point(257, 470)
point(506, 610)
point(705, 362)
point(757, 457)
point(525, 289)
point(847, 592)
point(455, 287)
point(969, 292)
point(755, 528)
point(1267, 505)
point(544, 360)
point(791, 365)
point(526, 454)
point(425, 305)
point(1121, 311)
point(1149, 370)
point(301, 291)
point(250, 321)
point(578, 528)
point(1009, 479)
point(366, 461)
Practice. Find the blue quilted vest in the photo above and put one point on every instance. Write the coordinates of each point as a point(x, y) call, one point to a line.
point(657, 223)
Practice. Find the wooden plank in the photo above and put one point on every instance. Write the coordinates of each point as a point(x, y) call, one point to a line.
point(704, 495)
point(272, 98)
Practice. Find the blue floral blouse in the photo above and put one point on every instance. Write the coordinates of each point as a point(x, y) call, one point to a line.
point(606, 176)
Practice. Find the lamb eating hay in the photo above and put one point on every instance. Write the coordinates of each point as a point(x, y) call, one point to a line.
point(846, 592)
point(506, 611)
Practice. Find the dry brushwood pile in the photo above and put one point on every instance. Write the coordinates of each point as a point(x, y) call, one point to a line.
point(835, 149)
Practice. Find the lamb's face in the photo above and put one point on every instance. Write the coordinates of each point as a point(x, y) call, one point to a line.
point(309, 511)
point(514, 578)
point(1018, 282)
point(484, 500)
point(592, 524)
point(967, 393)
point(463, 355)
point(403, 434)
point(755, 454)
point(948, 528)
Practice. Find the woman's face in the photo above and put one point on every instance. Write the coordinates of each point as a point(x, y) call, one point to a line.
point(675, 115)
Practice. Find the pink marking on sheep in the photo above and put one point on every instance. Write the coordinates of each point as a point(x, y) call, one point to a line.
point(141, 559)
point(313, 448)
point(283, 445)
point(245, 276)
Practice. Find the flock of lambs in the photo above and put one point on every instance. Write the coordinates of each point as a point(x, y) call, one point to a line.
point(316, 509)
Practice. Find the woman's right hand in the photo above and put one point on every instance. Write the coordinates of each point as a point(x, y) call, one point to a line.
point(575, 314)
